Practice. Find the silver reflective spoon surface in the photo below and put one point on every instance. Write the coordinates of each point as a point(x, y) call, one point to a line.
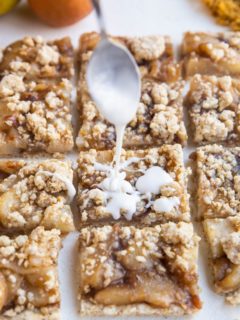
point(113, 79)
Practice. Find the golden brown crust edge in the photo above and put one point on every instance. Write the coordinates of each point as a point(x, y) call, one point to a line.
point(88, 308)
point(51, 313)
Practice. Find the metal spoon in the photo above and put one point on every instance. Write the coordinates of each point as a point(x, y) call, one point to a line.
point(114, 64)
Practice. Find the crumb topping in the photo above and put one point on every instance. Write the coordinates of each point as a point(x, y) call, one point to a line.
point(147, 48)
point(10, 85)
point(48, 55)
point(214, 107)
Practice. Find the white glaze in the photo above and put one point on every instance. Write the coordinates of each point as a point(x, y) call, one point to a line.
point(165, 204)
point(71, 191)
point(119, 194)
point(152, 180)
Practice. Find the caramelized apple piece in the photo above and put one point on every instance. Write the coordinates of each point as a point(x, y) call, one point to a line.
point(232, 68)
point(159, 292)
point(3, 291)
point(95, 280)
point(13, 287)
point(8, 201)
point(38, 284)
point(231, 281)
point(59, 218)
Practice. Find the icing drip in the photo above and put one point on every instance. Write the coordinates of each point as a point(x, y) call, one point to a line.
point(165, 204)
point(68, 183)
point(122, 201)
point(120, 195)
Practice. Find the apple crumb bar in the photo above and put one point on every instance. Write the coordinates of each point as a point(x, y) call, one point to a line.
point(34, 193)
point(35, 115)
point(29, 287)
point(223, 236)
point(214, 109)
point(34, 58)
point(95, 203)
point(159, 120)
point(218, 189)
point(138, 271)
point(214, 54)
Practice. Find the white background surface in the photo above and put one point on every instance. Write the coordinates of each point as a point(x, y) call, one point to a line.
point(125, 17)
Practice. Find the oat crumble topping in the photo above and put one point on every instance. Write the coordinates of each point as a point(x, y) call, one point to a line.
point(214, 108)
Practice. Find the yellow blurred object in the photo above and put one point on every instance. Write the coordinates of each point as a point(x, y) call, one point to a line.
point(7, 5)
point(227, 12)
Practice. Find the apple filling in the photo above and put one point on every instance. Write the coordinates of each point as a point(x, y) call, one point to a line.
point(125, 265)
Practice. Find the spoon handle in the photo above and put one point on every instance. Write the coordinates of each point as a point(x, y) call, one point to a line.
point(98, 9)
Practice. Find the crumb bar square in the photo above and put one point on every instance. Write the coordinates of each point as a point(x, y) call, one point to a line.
point(218, 188)
point(34, 58)
point(223, 236)
point(168, 200)
point(34, 193)
point(159, 120)
point(213, 54)
point(35, 116)
point(214, 109)
point(29, 287)
point(138, 271)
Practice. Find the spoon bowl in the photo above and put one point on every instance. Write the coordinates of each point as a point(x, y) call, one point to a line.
point(114, 82)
